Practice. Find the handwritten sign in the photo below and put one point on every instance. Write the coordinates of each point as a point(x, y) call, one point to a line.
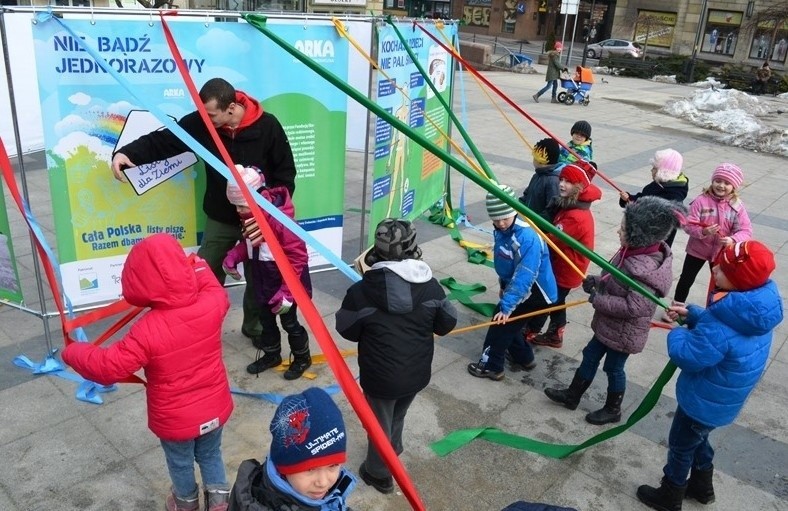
point(146, 177)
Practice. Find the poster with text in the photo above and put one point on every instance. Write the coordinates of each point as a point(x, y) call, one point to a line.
point(87, 112)
point(407, 178)
point(9, 276)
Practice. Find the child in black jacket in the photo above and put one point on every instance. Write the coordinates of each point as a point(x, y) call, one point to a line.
point(393, 314)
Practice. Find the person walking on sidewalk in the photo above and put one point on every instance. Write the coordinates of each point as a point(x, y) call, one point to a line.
point(554, 69)
point(722, 354)
point(393, 314)
point(622, 316)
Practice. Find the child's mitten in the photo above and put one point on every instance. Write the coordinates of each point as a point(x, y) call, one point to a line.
point(281, 301)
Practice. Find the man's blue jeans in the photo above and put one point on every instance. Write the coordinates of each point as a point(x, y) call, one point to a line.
point(688, 448)
point(614, 365)
point(207, 451)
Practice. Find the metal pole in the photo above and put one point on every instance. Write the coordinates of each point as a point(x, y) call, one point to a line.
point(362, 244)
point(572, 41)
point(698, 37)
point(590, 21)
point(15, 121)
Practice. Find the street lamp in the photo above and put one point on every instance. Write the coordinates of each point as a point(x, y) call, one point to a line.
point(585, 46)
point(698, 38)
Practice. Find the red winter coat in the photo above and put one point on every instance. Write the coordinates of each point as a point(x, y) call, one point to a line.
point(178, 342)
point(576, 222)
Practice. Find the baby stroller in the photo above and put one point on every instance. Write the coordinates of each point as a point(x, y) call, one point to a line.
point(578, 87)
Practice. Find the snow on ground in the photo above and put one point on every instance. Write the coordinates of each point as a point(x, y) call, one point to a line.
point(741, 119)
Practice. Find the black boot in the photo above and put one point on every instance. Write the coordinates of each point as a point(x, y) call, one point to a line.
point(700, 486)
point(299, 353)
point(611, 412)
point(665, 498)
point(299, 363)
point(570, 397)
point(267, 361)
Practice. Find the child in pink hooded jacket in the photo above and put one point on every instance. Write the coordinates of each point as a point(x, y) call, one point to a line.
point(271, 291)
point(717, 218)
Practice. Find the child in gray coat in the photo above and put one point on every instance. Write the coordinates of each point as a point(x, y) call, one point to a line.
point(622, 316)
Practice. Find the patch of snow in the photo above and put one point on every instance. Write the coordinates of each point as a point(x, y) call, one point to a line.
point(734, 114)
point(664, 78)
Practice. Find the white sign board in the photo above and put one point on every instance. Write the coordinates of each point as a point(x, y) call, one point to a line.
point(145, 177)
point(570, 6)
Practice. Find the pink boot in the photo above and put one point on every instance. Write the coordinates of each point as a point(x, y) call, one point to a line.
point(190, 503)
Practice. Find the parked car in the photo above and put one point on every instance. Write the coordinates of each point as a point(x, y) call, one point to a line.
point(613, 47)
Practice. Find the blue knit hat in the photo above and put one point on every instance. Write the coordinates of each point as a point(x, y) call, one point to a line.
point(308, 432)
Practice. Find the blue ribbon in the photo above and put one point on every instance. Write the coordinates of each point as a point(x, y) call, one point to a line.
point(87, 391)
point(206, 155)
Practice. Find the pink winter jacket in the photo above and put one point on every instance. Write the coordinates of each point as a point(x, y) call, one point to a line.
point(707, 209)
point(178, 342)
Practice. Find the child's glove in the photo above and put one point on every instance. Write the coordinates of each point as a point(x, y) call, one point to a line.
point(251, 231)
point(281, 301)
point(589, 284)
point(228, 265)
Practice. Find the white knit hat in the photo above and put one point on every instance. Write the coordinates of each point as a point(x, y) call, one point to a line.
point(251, 177)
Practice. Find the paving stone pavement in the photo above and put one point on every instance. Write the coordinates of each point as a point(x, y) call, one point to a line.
point(60, 453)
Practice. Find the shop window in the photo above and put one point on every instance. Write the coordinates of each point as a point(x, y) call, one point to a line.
point(72, 3)
point(655, 28)
point(763, 47)
point(721, 32)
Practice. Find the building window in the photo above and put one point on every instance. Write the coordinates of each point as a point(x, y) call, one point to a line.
point(721, 32)
point(655, 28)
point(72, 3)
point(764, 47)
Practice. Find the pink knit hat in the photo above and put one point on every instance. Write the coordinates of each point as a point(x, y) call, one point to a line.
point(668, 163)
point(251, 177)
point(558, 46)
point(730, 173)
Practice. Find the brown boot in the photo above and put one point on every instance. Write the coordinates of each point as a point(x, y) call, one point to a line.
point(550, 339)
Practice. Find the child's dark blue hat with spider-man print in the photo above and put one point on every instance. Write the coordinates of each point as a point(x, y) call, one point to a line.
point(308, 432)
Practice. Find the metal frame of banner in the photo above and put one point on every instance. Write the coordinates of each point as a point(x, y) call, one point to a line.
point(43, 313)
point(20, 158)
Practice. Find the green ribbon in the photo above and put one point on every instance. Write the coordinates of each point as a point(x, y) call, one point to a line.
point(463, 293)
point(462, 437)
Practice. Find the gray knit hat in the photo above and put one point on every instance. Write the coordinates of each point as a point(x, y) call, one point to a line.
point(498, 209)
point(650, 219)
point(395, 240)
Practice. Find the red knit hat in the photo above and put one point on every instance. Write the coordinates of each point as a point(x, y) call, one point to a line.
point(747, 264)
point(575, 175)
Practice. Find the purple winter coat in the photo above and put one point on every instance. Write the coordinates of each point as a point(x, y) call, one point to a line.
point(622, 316)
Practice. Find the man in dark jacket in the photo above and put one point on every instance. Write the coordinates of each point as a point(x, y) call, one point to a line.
point(393, 314)
point(252, 137)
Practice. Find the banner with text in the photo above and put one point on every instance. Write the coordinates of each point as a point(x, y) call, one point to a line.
point(10, 289)
point(407, 178)
point(87, 115)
